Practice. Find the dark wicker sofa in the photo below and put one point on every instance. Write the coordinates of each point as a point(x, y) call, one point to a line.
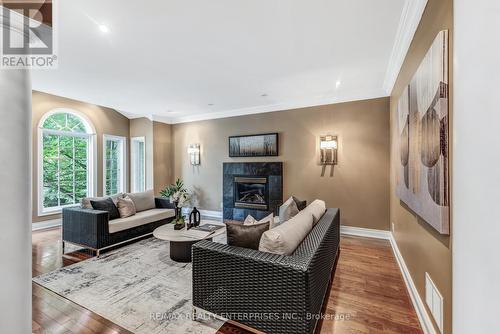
point(268, 292)
point(90, 228)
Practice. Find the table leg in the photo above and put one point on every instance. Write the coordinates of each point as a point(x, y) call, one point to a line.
point(180, 251)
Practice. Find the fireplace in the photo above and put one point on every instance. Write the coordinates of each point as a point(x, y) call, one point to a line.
point(251, 188)
point(251, 192)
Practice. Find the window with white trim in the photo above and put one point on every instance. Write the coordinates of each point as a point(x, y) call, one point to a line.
point(138, 164)
point(114, 164)
point(65, 161)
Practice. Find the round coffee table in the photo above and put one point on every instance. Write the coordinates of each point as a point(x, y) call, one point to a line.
point(180, 245)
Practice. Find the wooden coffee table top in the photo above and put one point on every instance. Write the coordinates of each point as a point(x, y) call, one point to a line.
point(167, 232)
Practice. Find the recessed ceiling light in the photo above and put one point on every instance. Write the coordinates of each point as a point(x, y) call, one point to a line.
point(263, 95)
point(103, 28)
point(210, 104)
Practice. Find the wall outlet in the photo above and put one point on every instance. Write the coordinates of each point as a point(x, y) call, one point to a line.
point(393, 227)
point(434, 301)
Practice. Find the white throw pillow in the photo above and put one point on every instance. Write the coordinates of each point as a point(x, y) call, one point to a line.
point(288, 210)
point(285, 238)
point(249, 220)
point(317, 209)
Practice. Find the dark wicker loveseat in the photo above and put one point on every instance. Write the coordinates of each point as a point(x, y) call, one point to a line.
point(90, 228)
point(268, 292)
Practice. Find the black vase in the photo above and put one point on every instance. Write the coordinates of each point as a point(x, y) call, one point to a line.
point(177, 210)
point(194, 217)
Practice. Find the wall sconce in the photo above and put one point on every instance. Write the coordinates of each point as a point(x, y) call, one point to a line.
point(194, 154)
point(328, 150)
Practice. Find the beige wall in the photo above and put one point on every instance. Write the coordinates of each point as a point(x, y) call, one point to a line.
point(359, 184)
point(105, 121)
point(423, 248)
point(162, 148)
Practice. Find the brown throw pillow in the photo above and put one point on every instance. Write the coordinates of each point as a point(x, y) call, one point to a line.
point(246, 236)
point(126, 207)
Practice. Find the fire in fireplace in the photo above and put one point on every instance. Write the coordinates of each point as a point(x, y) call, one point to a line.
point(251, 192)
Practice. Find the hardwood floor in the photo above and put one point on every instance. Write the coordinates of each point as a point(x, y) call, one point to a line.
point(367, 295)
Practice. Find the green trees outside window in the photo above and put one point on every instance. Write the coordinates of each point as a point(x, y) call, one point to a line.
point(114, 164)
point(65, 160)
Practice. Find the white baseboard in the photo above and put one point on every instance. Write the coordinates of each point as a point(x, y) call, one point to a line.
point(204, 213)
point(365, 232)
point(418, 304)
point(46, 224)
point(211, 214)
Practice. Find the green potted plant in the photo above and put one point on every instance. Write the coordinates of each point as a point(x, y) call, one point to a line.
point(178, 195)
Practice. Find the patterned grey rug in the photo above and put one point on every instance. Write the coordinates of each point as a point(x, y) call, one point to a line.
point(137, 287)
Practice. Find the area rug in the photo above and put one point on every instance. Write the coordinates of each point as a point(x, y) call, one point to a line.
point(138, 287)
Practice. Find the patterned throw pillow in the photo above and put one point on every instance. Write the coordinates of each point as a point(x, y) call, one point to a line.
point(249, 220)
point(126, 207)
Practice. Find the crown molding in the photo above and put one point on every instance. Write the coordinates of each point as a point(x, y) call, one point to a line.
point(408, 23)
point(274, 107)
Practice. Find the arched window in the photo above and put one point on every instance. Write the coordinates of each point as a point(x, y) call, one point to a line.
point(66, 160)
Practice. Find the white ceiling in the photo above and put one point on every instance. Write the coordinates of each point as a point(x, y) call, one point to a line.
point(170, 59)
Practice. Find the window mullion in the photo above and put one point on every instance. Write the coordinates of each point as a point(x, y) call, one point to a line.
point(113, 165)
point(62, 132)
point(74, 171)
point(59, 170)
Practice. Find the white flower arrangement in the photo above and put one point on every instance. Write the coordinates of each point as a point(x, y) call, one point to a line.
point(177, 193)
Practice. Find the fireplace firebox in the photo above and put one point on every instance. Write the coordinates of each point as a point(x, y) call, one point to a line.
point(251, 192)
point(251, 188)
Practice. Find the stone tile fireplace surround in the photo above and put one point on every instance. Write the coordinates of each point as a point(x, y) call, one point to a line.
point(251, 188)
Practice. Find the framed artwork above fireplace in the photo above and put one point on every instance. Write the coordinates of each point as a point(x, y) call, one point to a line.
point(261, 145)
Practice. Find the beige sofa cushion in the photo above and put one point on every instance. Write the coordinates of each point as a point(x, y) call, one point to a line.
point(140, 218)
point(285, 238)
point(85, 202)
point(143, 201)
point(317, 209)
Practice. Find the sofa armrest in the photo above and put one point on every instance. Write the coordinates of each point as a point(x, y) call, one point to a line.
point(85, 227)
point(163, 203)
point(235, 283)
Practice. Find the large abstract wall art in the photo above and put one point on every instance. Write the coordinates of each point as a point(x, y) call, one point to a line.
point(422, 174)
